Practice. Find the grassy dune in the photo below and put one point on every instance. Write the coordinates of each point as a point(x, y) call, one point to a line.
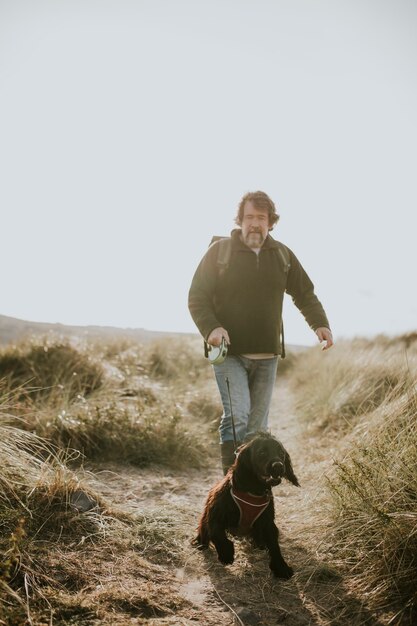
point(364, 394)
point(65, 404)
point(108, 402)
point(67, 408)
point(352, 380)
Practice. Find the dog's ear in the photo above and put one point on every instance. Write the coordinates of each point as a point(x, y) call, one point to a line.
point(243, 456)
point(243, 463)
point(289, 472)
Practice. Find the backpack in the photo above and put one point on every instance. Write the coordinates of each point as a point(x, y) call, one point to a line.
point(223, 260)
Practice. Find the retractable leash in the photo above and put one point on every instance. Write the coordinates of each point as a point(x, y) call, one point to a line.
point(216, 354)
point(231, 414)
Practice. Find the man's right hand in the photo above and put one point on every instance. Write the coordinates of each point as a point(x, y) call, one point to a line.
point(216, 336)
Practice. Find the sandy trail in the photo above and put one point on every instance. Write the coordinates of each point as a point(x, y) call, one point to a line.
point(246, 592)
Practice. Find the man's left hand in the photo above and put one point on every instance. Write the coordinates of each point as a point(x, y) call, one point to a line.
point(325, 334)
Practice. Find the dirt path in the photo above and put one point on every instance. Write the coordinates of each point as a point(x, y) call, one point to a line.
point(246, 593)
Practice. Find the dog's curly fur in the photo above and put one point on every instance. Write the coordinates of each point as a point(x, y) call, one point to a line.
point(260, 464)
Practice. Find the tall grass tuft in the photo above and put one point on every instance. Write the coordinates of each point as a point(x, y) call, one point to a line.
point(176, 360)
point(36, 505)
point(45, 369)
point(49, 513)
point(35, 485)
point(206, 408)
point(375, 495)
point(336, 389)
point(108, 430)
point(47, 561)
point(130, 418)
point(366, 391)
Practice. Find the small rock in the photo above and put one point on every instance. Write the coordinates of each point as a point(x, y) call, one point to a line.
point(82, 501)
point(248, 617)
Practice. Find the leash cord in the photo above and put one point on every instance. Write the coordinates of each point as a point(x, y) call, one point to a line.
point(231, 413)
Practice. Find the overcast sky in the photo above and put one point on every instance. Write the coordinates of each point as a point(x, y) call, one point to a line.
point(129, 130)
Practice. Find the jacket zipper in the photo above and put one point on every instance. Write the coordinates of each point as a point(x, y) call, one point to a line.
point(257, 259)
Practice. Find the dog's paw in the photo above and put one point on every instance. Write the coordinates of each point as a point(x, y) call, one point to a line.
point(282, 571)
point(227, 553)
point(196, 543)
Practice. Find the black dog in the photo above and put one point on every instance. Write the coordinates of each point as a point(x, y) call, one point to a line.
point(242, 502)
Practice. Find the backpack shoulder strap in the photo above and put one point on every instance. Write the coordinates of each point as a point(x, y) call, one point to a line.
point(224, 252)
point(283, 255)
point(284, 258)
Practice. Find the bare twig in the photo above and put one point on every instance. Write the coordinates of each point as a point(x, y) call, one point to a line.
point(228, 606)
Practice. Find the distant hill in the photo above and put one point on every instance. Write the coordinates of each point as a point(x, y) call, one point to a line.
point(12, 329)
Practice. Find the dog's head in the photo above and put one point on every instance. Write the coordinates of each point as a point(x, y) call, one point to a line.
point(267, 459)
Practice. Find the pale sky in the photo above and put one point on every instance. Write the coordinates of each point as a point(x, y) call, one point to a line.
point(129, 130)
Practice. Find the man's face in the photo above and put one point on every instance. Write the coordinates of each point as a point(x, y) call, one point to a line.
point(255, 225)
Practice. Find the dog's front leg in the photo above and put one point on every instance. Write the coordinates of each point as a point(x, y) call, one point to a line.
point(279, 567)
point(224, 547)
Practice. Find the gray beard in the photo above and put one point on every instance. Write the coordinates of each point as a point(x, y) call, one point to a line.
point(254, 240)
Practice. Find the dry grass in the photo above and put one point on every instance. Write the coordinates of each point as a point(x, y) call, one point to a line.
point(130, 417)
point(178, 361)
point(35, 507)
point(50, 369)
point(128, 432)
point(375, 492)
point(368, 391)
point(62, 401)
point(152, 406)
point(336, 389)
point(58, 561)
point(207, 409)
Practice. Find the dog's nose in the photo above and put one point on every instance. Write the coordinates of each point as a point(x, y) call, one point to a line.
point(277, 469)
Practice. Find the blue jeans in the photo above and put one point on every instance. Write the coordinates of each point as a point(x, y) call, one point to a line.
point(251, 382)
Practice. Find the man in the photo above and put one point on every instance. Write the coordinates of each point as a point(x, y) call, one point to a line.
point(242, 304)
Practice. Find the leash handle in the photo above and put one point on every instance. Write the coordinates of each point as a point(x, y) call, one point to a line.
point(231, 413)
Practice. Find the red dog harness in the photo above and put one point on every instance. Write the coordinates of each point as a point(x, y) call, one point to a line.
point(251, 507)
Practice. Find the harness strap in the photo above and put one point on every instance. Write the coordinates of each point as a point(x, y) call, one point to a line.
point(250, 507)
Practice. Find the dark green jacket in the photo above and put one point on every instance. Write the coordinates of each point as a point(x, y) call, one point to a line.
point(246, 299)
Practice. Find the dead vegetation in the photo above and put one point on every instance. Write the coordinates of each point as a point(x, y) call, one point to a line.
point(98, 481)
point(352, 380)
point(63, 405)
point(368, 392)
point(50, 370)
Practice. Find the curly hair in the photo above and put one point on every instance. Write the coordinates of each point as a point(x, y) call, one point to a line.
point(260, 201)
